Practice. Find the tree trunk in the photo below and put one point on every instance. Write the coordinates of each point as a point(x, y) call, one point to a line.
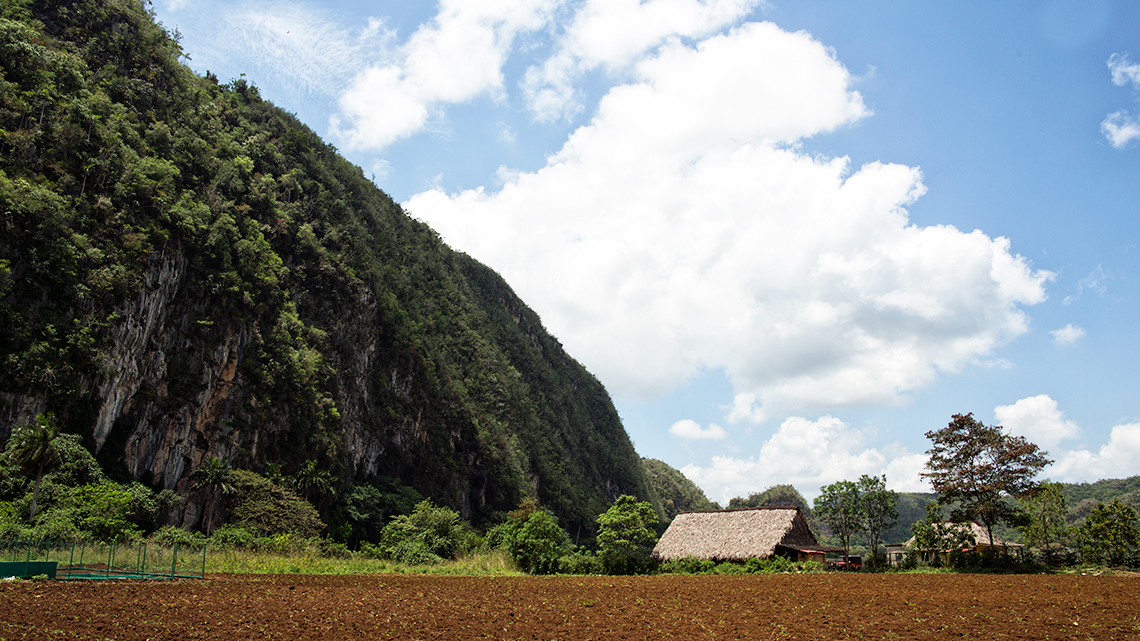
point(36, 492)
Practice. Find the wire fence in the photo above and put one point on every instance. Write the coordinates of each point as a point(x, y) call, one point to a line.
point(83, 560)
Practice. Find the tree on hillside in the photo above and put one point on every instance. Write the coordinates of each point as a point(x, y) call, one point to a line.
point(33, 447)
point(677, 493)
point(777, 495)
point(1109, 533)
point(879, 507)
point(314, 483)
point(216, 477)
point(839, 506)
point(978, 466)
point(625, 536)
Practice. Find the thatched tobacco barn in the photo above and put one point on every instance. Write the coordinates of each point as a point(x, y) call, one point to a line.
point(738, 535)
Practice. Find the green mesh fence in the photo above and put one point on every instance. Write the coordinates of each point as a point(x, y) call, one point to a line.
point(91, 560)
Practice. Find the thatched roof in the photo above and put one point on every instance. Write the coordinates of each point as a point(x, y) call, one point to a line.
point(735, 535)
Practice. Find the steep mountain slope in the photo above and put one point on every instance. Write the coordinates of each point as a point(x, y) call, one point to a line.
point(187, 271)
point(675, 491)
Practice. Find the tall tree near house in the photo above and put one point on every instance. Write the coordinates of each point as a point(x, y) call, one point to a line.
point(838, 505)
point(880, 508)
point(33, 447)
point(978, 466)
point(1043, 511)
point(625, 534)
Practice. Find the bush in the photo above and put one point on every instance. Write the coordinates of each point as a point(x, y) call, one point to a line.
point(146, 509)
point(728, 567)
point(372, 551)
point(11, 527)
point(367, 507)
point(330, 549)
point(428, 533)
point(581, 563)
point(56, 525)
point(774, 565)
point(268, 509)
point(102, 510)
point(687, 565)
point(233, 537)
point(172, 535)
point(412, 551)
point(782, 565)
point(283, 543)
point(532, 538)
point(987, 559)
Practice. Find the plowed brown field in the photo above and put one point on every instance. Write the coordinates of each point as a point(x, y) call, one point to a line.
point(829, 606)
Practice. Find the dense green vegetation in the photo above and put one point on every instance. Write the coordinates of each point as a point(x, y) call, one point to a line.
point(75, 497)
point(775, 495)
point(188, 275)
point(675, 491)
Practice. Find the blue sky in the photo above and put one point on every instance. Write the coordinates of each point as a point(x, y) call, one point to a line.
point(790, 238)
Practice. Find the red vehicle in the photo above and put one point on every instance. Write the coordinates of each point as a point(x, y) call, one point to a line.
point(852, 563)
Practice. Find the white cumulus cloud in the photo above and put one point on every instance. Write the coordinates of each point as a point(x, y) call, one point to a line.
point(808, 454)
point(455, 57)
point(1118, 458)
point(690, 429)
point(683, 229)
point(614, 34)
point(1124, 71)
point(1068, 335)
point(1038, 420)
point(1119, 127)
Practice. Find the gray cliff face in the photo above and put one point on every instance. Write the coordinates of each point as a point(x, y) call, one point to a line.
point(178, 385)
point(176, 390)
point(167, 438)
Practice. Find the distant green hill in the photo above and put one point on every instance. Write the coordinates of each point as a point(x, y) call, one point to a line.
point(188, 271)
point(675, 491)
point(775, 495)
point(1081, 497)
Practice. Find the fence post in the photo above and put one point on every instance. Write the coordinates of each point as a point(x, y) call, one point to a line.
point(71, 559)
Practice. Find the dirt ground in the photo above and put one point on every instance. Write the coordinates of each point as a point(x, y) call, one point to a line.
point(829, 606)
